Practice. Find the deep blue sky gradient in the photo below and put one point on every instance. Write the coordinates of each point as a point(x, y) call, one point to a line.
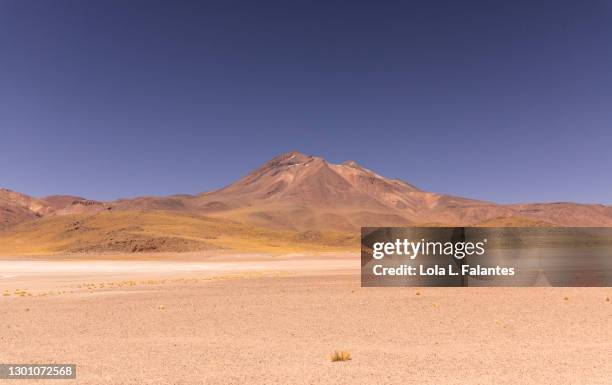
point(509, 101)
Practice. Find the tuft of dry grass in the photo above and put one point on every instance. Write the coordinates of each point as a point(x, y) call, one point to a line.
point(340, 356)
point(22, 293)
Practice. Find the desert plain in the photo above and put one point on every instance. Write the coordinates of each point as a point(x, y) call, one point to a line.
point(255, 319)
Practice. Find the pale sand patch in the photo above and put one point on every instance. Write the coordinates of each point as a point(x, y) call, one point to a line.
point(39, 275)
point(281, 330)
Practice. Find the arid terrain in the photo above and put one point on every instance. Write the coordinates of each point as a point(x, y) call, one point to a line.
point(260, 320)
point(258, 283)
point(293, 203)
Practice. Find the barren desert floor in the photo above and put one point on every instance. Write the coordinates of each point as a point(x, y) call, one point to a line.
point(257, 320)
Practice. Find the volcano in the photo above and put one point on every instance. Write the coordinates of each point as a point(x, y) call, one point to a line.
point(299, 192)
point(292, 193)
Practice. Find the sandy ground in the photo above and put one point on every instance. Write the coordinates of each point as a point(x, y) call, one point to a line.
point(277, 324)
point(42, 276)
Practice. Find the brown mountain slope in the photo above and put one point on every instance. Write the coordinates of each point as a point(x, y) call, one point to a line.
point(16, 208)
point(303, 192)
point(566, 214)
point(157, 231)
point(300, 192)
point(291, 194)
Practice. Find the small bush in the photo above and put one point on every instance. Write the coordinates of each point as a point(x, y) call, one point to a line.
point(340, 356)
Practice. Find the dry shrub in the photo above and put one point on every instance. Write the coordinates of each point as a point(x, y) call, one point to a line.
point(340, 356)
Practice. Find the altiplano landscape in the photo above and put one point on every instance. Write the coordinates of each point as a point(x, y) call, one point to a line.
point(294, 202)
point(305, 192)
point(258, 283)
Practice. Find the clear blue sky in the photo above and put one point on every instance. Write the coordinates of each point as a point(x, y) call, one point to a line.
point(507, 101)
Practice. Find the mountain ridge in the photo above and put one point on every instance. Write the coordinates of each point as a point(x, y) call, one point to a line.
point(297, 193)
